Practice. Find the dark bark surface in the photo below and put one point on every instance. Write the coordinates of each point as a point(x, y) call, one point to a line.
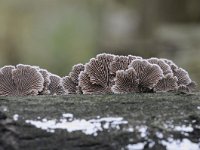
point(150, 121)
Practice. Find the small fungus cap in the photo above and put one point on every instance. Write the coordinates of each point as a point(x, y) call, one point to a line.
point(45, 75)
point(74, 74)
point(56, 87)
point(99, 72)
point(126, 81)
point(21, 80)
point(69, 85)
point(28, 80)
point(148, 74)
point(182, 76)
point(7, 85)
point(168, 83)
point(87, 86)
point(162, 64)
point(119, 63)
point(70, 82)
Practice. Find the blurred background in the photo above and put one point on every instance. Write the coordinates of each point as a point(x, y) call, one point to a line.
point(56, 34)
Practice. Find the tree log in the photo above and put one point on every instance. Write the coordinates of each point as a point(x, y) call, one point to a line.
point(131, 121)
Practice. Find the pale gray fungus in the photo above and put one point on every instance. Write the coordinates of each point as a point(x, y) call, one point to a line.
point(45, 75)
point(192, 86)
point(126, 81)
point(167, 83)
point(148, 74)
point(182, 76)
point(87, 87)
point(108, 73)
point(56, 87)
point(162, 64)
point(104, 74)
point(7, 85)
point(98, 73)
point(69, 86)
point(28, 79)
point(183, 89)
point(119, 63)
point(170, 63)
point(70, 82)
point(131, 58)
point(21, 80)
point(74, 74)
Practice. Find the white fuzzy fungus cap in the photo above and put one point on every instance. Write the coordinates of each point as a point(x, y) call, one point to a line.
point(56, 87)
point(168, 83)
point(182, 76)
point(98, 74)
point(7, 85)
point(126, 81)
point(45, 75)
point(148, 74)
point(21, 80)
point(70, 83)
point(88, 87)
point(119, 63)
point(162, 64)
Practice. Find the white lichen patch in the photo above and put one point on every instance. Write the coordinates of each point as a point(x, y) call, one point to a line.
point(137, 146)
point(88, 127)
point(184, 144)
point(15, 117)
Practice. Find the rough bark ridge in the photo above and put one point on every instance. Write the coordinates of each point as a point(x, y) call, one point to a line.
point(151, 120)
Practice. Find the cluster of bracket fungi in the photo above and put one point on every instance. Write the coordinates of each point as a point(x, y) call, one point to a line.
point(104, 74)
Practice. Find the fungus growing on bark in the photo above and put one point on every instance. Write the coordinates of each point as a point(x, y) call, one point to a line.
point(162, 64)
point(7, 85)
point(127, 74)
point(126, 81)
point(45, 74)
point(131, 58)
point(103, 74)
point(69, 85)
point(182, 76)
point(119, 63)
point(147, 74)
point(20, 80)
point(184, 81)
point(55, 87)
point(167, 83)
point(183, 89)
point(28, 80)
point(170, 63)
point(87, 86)
point(70, 82)
point(74, 74)
point(192, 86)
point(99, 73)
